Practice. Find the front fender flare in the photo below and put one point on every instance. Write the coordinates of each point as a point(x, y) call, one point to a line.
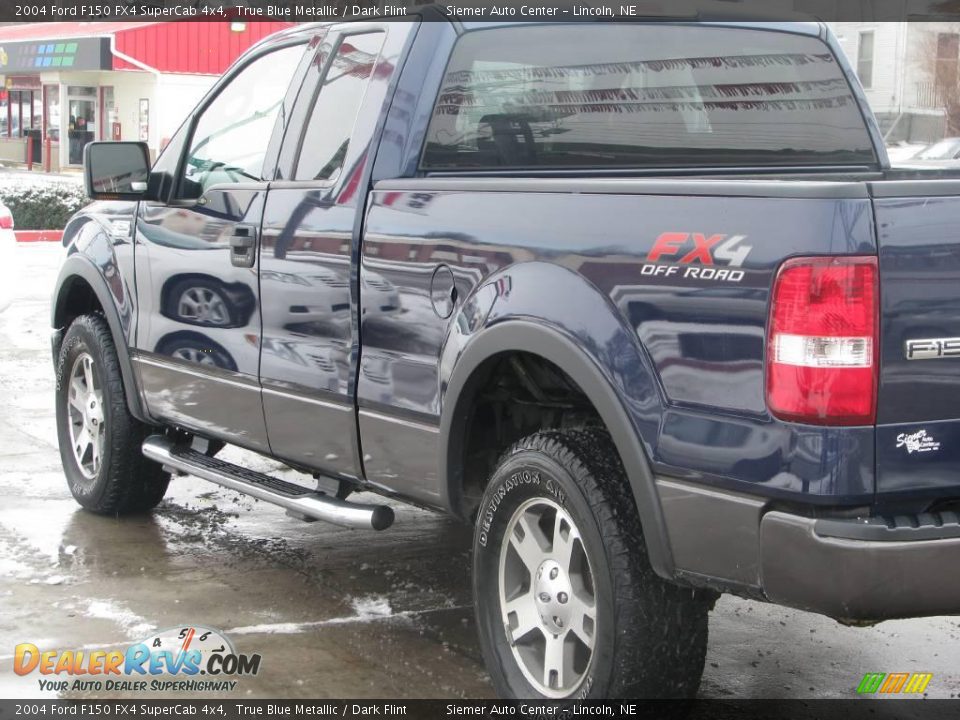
point(79, 267)
point(524, 335)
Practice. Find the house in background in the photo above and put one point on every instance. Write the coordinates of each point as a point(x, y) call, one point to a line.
point(65, 84)
point(909, 71)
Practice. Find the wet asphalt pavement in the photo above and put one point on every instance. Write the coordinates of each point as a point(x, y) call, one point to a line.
point(333, 612)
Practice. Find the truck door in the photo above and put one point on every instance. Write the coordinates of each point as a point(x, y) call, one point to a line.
point(196, 255)
point(308, 258)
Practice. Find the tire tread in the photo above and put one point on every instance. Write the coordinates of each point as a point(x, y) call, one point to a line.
point(661, 628)
point(133, 483)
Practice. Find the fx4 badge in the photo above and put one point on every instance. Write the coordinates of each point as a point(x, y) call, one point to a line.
point(698, 256)
point(933, 348)
point(917, 442)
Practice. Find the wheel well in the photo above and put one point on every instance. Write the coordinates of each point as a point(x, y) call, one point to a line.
point(75, 299)
point(511, 395)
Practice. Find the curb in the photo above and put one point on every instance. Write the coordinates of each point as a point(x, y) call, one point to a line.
point(39, 235)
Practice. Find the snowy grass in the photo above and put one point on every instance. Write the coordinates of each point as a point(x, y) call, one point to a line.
point(41, 202)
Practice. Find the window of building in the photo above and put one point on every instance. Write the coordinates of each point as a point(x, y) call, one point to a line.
point(230, 139)
point(14, 114)
point(81, 121)
point(335, 107)
point(110, 115)
point(865, 59)
point(564, 96)
point(52, 95)
point(20, 112)
point(36, 97)
point(948, 58)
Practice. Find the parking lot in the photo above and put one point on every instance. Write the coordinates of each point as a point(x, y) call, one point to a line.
point(333, 612)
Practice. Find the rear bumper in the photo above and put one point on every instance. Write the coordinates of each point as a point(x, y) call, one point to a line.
point(861, 571)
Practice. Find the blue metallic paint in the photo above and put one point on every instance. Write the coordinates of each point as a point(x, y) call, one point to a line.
point(675, 367)
point(919, 269)
point(685, 356)
point(99, 247)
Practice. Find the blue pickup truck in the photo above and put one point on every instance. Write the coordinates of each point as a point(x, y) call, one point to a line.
point(645, 303)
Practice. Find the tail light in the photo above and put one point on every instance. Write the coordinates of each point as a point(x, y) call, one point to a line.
point(6, 220)
point(823, 342)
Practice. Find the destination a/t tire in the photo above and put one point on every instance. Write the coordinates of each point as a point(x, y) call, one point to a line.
point(99, 439)
point(567, 603)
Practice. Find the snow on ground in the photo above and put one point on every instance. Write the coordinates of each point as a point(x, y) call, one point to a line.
point(22, 179)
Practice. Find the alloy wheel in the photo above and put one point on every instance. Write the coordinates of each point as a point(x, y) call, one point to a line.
point(547, 597)
point(87, 425)
point(204, 306)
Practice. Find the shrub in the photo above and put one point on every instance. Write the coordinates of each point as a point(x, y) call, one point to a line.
point(42, 206)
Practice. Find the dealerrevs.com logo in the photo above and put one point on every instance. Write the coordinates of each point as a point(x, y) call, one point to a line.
point(189, 659)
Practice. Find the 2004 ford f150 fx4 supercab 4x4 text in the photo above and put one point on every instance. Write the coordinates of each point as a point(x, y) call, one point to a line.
point(644, 302)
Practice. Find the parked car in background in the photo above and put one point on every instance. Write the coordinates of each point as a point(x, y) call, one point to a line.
point(8, 257)
point(942, 155)
point(946, 149)
point(898, 152)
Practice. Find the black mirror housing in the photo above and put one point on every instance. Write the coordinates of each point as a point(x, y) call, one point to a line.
point(116, 170)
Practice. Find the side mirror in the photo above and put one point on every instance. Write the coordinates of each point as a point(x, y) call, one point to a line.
point(116, 170)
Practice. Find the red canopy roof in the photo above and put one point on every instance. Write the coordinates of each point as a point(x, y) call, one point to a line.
point(17, 32)
point(189, 47)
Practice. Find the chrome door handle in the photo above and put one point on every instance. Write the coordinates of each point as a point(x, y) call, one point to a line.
point(243, 246)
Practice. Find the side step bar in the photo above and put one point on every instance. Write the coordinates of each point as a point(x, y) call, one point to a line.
point(296, 500)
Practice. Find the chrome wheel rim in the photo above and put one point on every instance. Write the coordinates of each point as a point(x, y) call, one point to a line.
point(547, 598)
point(203, 305)
point(85, 407)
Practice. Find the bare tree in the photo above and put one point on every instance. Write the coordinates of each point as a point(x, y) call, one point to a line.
point(937, 58)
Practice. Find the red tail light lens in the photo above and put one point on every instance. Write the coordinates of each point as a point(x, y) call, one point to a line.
point(823, 343)
point(6, 220)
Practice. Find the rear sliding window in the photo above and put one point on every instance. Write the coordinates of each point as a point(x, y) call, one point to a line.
point(639, 96)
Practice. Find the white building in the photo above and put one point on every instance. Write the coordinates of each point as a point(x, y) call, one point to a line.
point(65, 84)
point(909, 71)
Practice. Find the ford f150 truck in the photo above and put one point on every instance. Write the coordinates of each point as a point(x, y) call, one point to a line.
point(644, 302)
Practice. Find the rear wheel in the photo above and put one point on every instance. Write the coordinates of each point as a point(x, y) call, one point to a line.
point(567, 603)
point(99, 439)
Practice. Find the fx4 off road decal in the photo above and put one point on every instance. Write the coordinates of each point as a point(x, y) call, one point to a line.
point(698, 256)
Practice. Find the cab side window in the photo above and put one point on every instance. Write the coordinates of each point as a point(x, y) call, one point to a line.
point(327, 134)
point(229, 142)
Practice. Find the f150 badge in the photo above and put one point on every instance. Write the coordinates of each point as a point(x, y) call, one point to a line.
point(698, 256)
point(933, 348)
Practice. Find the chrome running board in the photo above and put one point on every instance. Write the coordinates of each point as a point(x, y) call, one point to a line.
point(296, 500)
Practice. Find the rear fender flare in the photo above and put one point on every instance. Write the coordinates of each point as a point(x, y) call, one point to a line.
point(537, 308)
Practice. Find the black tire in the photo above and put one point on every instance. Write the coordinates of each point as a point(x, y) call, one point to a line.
point(649, 636)
point(125, 481)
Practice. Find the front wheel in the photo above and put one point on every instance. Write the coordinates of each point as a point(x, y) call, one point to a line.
point(99, 439)
point(567, 603)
